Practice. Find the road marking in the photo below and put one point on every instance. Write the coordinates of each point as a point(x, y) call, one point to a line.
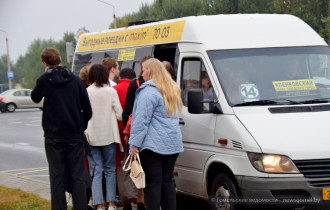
point(32, 125)
point(11, 123)
point(27, 172)
point(20, 147)
point(24, 169)
point(21, 143)
point(35, 121)
point(12, 119)
point(31, 118)
point(35, 176)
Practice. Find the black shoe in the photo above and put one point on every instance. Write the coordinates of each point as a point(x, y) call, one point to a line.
point(141, 206)
point(128, 207)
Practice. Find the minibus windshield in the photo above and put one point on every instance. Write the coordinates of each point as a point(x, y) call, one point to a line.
point(272, 76)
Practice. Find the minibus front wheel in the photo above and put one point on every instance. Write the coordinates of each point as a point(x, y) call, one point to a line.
point(223, 191)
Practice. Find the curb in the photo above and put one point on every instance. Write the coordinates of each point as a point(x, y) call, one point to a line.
point(38, 187)
point(41, 188)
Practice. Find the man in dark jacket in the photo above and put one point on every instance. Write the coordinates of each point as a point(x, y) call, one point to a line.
point(66, 112)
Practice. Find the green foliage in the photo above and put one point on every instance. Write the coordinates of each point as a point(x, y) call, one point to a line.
point(29, 67)
point(33, 67)
point(315, 12)
point(3, 69)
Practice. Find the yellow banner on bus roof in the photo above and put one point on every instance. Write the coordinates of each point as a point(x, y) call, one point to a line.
point(292, 85)
point(166, 32)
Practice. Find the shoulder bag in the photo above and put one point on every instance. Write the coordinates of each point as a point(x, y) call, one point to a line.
point(128, 193)
point(137, 174)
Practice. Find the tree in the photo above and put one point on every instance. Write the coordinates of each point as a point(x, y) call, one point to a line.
point(3, 69)
point(313, 12)
point(33, 67)
point(18, 70)
point(29, 67)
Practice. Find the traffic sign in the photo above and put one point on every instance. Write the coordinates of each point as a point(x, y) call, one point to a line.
point(10, 75)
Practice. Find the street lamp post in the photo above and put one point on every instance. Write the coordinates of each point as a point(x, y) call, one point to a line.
point(114, 15)
point(8, 60)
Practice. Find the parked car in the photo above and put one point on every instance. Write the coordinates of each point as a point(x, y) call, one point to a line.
point(13, 99)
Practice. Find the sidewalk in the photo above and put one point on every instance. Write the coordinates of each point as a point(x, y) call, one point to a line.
point(41, 188)
point(38, 187)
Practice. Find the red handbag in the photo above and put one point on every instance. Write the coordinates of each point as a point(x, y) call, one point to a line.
point(127, 130)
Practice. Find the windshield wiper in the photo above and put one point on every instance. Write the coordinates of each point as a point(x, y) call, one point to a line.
point(317, 100)
point(269, 102)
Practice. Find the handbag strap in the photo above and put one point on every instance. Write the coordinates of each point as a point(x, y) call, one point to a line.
point(137, 158)
point(128, 160)
point(125, 152)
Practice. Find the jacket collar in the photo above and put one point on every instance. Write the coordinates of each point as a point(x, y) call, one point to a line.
point(123, 81)
point(149, 83)
point(94, 86)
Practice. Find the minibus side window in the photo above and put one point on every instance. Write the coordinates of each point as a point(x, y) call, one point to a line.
point(126, 64)
point(90, 59)
point(194, 76)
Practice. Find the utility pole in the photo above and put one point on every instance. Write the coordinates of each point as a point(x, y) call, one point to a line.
point(329, 22)
point(114, 15)
point(8, 61)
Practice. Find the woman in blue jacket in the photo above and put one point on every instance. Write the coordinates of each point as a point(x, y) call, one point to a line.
point(155, 133)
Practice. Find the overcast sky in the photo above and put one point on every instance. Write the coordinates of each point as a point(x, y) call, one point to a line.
point(27, 20)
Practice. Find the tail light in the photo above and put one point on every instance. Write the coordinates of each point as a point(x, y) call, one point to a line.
point(1, 98)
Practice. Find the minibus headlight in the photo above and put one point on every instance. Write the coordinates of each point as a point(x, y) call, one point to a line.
point(271, 163)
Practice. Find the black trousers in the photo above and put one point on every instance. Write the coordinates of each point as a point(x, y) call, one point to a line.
point(66, 155)
point(159, 190)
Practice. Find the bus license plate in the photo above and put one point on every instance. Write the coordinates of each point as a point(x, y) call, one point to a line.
point(326, 194)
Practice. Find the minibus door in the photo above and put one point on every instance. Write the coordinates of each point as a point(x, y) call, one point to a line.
point(197, 129)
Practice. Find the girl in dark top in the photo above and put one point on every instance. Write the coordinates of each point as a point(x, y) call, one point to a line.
point(130, 95)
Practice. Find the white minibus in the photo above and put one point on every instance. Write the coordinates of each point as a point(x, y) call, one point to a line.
point(256, 93)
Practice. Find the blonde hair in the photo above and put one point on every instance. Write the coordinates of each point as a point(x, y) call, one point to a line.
point(165, 84)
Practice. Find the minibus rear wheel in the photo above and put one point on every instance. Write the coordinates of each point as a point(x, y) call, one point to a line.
point(223, 187)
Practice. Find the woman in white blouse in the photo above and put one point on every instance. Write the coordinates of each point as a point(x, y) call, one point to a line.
point(103, 134)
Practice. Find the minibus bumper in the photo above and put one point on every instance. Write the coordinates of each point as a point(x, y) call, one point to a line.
point(293, 192)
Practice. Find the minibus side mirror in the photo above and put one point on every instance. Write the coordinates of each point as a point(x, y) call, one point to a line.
point(196, 104)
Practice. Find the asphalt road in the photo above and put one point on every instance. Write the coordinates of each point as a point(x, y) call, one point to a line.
point(22, 151)
point(22, 144)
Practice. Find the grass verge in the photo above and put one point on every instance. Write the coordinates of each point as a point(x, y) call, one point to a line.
point(15, 199)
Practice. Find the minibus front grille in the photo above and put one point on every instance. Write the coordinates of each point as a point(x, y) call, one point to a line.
point(320, 183)
point(314, 169)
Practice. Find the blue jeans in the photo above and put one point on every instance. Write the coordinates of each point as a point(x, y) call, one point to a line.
point(103, 158)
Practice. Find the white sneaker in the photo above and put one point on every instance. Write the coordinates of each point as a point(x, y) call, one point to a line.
point(112, 208)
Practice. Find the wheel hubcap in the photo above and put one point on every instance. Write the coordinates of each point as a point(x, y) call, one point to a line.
point(11, 107)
